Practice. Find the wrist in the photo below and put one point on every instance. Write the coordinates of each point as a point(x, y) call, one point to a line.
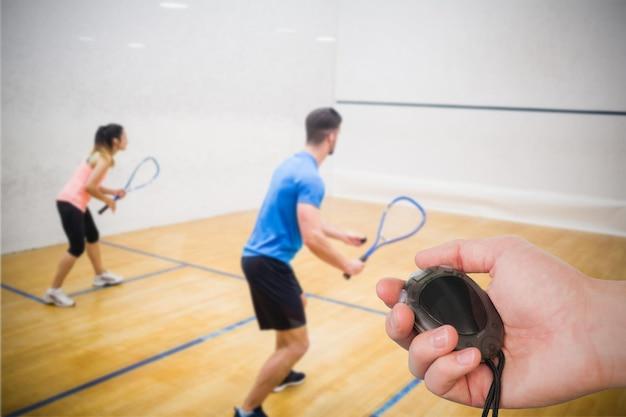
point(607, 318)
point(345, 265)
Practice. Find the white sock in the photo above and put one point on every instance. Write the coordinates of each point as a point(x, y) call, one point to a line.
point(244, 413)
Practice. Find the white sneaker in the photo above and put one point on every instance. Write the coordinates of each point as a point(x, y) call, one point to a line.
point(57, 297)
point(106, 279)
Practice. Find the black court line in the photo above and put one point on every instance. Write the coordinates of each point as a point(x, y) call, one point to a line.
point(239, 277)
point(480, 107)
point(179, 265)
point(23, 293)
point(379, 412)
point(345, 304)
point(395, 398)
point(227, 329)
point(93, 289)
point(130, 368)
point(176, 261)
point(126, 281)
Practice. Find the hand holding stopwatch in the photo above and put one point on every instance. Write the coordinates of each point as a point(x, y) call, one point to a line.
point(441, 295)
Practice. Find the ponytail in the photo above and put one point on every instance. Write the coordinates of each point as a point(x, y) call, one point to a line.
point(105, 135)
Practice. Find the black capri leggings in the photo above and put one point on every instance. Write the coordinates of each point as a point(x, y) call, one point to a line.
point(78, 226)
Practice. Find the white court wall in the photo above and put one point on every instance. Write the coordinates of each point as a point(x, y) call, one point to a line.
point(552, 168)
point(218, 94)
point(219, 91)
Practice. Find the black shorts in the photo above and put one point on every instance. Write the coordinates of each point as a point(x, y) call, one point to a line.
point(78, 226)
point(276, 293)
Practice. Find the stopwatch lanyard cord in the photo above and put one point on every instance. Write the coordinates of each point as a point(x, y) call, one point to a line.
point(493, 397)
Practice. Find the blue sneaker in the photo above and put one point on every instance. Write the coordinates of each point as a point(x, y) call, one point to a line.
point(257, 412)
point(294, 378)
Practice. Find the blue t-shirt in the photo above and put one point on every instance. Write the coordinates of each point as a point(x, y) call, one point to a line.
point(276, 233)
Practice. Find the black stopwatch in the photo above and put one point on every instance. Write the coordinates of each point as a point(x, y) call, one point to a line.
point(442, 295)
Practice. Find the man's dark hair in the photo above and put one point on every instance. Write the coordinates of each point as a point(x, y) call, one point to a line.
point(319, 123)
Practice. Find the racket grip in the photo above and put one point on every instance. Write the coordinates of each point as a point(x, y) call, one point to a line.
point(346, 275)
point(105, 208)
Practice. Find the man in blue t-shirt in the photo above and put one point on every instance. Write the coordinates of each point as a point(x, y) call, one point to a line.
point(289, 217)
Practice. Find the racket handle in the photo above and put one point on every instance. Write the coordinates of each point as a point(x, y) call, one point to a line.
point(105, 208)
point(346, 275)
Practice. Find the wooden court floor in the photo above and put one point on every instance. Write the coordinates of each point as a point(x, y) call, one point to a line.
point(178, 338)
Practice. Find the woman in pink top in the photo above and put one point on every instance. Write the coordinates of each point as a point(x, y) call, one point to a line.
point(77, 221)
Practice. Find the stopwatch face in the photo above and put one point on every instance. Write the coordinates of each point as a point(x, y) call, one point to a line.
point(442, 295)
point(451, 300)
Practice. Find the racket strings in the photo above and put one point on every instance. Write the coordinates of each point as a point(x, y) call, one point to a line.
point(400, 219)
point(143, 174)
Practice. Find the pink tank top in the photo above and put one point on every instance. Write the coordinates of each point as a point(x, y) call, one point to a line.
point(75, 191)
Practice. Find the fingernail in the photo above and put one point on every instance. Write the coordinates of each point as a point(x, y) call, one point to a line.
point(465, 357)
point(392, 319)
point(439, 339)
point(403, 296)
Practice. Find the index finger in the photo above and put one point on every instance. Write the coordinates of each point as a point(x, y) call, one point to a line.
point(477, 255)
point(388, 290)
